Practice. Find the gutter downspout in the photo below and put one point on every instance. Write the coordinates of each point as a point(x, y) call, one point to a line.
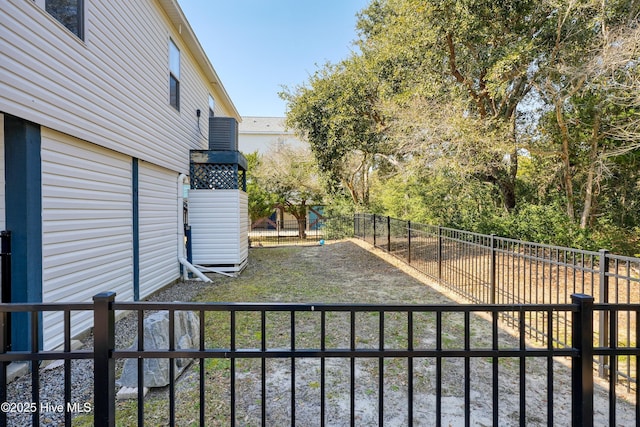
point(187, 265)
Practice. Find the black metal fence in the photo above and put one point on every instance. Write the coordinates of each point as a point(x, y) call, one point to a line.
point(491, 269)
point(430, 356)
point(268, 232)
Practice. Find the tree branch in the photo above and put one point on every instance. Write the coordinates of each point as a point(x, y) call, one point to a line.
point(453, 67)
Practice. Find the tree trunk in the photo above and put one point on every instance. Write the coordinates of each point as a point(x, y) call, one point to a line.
point(365, 184)
point(352, 192)
point(300, 212)
point(593, 158)
point(302, 227)
point(508, 194)
point(567, 177)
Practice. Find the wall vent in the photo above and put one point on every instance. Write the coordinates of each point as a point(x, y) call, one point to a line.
point(223, 134)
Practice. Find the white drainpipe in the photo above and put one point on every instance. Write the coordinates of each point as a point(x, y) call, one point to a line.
point(187, 265)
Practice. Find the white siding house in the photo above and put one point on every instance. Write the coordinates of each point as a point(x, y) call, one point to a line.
point(265, 134)
point(98, 115)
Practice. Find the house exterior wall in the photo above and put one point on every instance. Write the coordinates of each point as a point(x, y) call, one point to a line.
point(268, 135)
point(265, 134)
point(109, 143)
point(158, 227)
point(87, 241)
point(111, 88)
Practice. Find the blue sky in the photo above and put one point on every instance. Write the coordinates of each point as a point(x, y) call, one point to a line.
point(256, 46)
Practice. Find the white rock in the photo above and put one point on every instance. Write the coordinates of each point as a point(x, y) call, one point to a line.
point(128, 393)
point(156, 337)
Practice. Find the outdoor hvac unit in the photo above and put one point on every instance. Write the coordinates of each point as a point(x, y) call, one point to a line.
point(218, 207)
point(223, 134)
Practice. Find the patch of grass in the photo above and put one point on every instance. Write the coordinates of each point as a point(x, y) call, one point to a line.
point(276, 275)
point(222, 365)
point(84, 420)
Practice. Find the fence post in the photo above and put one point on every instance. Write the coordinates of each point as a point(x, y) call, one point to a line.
point(388, 234)
point(409, 242)
point(356, 226)
point(582, 365)
point(603, 324)
point(374, 230)
point(492, 269)
point(104, 364)
point(278, 227)
point(439, 254)
point(363, 225)
point(3, 365)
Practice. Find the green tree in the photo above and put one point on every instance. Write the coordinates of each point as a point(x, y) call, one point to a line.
point(591, 85)
point(290, 175)
point(487, 115)
point(261, 201)
point(337, 113)
point(453, 63)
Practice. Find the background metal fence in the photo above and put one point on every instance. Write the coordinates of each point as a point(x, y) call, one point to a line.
point(306, 232)
point(489, 269)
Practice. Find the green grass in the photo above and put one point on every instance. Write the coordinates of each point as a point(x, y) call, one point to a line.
point(293, 274)
point(276, 275)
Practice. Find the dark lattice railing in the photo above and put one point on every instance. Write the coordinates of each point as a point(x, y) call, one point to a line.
point(217, 176)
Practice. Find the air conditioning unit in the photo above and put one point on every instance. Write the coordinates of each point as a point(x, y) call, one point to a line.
point(223, 134)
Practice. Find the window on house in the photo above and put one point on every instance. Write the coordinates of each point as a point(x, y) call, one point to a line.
point(69, 13)
point(212, 105)
point(174, 75)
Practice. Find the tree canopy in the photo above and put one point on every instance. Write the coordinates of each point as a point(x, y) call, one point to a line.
point(514, 109)
point(289, 176)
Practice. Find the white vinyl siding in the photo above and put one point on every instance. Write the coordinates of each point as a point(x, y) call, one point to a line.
point(158, 219)
point(87, 244)
point(243, 225)
point(110, 89)
point(219, 229)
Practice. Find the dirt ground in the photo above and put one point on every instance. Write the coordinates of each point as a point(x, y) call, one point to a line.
point(350, 272)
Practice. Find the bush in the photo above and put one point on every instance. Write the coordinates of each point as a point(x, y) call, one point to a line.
point(547, 224)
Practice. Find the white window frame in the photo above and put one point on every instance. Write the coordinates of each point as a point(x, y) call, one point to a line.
point(42, 4)
point(174, 74)
point(212, 106)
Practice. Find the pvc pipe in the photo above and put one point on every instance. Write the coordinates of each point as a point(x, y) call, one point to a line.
point(214, 270)
point(187, 265)
point(194, 270)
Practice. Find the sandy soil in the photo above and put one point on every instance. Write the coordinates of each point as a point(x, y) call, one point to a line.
point(350, 272)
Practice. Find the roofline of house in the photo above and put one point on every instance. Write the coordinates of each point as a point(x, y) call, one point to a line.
point(285, 131)
point(267, 132)
point(179, 20)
